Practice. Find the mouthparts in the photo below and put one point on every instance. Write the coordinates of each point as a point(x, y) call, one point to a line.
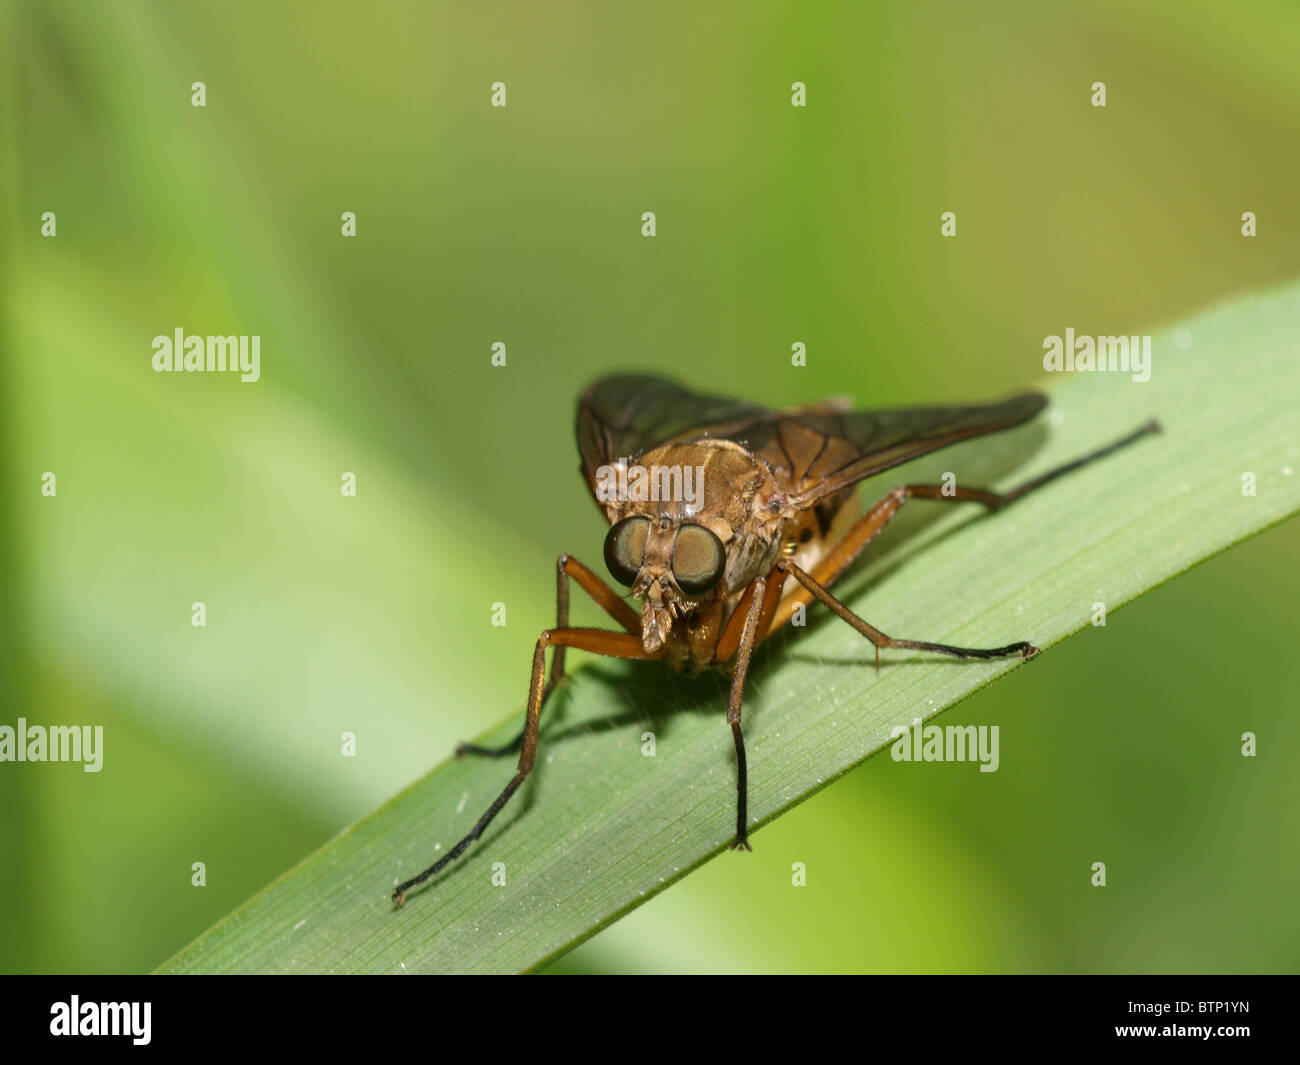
point(656, 619)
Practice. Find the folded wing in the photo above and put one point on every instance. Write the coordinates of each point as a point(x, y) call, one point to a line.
point(817, 451)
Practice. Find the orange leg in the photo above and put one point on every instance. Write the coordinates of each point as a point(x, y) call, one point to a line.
point(597, 641)
point(605, 597)
point(879, 639)
point(757, 598)
point(843, 554)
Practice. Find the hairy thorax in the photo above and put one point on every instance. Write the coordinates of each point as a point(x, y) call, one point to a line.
point(738, 496)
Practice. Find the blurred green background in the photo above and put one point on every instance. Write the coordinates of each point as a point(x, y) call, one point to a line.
point(522, 225)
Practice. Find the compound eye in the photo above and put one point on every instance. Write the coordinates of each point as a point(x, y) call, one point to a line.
point(625, 548)
point(698, 559)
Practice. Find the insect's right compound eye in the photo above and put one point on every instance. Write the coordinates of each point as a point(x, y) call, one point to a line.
point(625, 549)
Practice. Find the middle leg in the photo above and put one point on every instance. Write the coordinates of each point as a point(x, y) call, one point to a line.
point(846, 552)
point(753, 607)
point(879, 639)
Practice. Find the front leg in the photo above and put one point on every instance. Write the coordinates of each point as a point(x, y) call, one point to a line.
point(566, 566)
point(597, 641)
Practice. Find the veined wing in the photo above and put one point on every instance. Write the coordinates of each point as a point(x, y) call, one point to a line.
point(628, 414)
point(819, 451)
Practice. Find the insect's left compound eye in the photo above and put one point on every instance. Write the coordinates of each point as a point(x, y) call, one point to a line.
point(625, 548)
point(698, 559)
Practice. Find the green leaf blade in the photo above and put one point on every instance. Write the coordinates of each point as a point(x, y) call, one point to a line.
point(600, 828)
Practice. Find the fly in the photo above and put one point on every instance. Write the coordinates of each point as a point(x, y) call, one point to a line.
point(727, 518)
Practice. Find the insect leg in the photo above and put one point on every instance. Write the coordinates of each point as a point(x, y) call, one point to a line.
point(566, 566)
point(879, 639)
point(597, 641)
point(844, 553)
point(746, 646)
point(729, 639)
point(998, 500)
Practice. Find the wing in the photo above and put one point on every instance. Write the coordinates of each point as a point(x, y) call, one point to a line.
point(627, 415)
point(818, 451)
